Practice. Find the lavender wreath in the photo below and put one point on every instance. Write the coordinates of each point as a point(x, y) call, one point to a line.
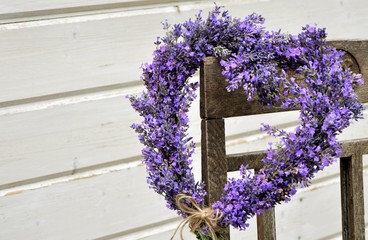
point(257, 61)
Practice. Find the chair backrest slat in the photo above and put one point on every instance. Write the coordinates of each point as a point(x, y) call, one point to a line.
point(217, 103)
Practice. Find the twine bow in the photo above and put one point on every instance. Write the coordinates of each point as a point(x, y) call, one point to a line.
point(197, 216)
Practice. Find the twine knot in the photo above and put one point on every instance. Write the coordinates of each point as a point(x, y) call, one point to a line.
point(197, 216)
point(204, 215)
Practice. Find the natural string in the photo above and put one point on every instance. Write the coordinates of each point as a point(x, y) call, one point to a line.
point(197, 216)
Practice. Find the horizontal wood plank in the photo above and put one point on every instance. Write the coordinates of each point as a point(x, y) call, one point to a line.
point(253, 159)
point(19, 6)
point(83, 208)
point(21, 10)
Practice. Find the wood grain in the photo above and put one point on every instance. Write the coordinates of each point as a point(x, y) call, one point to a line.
point(218, 103)
point(266, 225)
point(352, 197)
point(250, 159)
point(214, 165)
point(213, 158)
point(253, 159)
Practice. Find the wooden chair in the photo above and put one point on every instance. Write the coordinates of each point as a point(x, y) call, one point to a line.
point(216, 104)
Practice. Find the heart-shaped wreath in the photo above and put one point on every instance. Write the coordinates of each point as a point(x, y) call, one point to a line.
point(257, 61)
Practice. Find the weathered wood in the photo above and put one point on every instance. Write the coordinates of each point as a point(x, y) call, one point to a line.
point(352, 147)
point(213, 158)
point(352, 197)
point(253, 159)
point(266, 225)
point(214, 164)
point(218, 103)
point(250, 159)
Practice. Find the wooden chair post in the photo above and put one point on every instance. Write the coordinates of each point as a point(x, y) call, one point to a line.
point(266, 225)
point(352, 197)
point(213, 151)
point(213, 158)
point(352, 190)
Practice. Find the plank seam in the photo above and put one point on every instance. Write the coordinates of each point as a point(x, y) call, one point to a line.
point(66, 179)
point(144, 231)
point(177, 6)
point(58, 100)
point(23, 16)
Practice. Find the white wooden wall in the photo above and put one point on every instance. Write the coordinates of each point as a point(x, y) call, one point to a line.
point(69, 163)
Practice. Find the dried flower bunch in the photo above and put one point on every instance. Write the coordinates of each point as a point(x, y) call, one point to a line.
point(255, 60)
